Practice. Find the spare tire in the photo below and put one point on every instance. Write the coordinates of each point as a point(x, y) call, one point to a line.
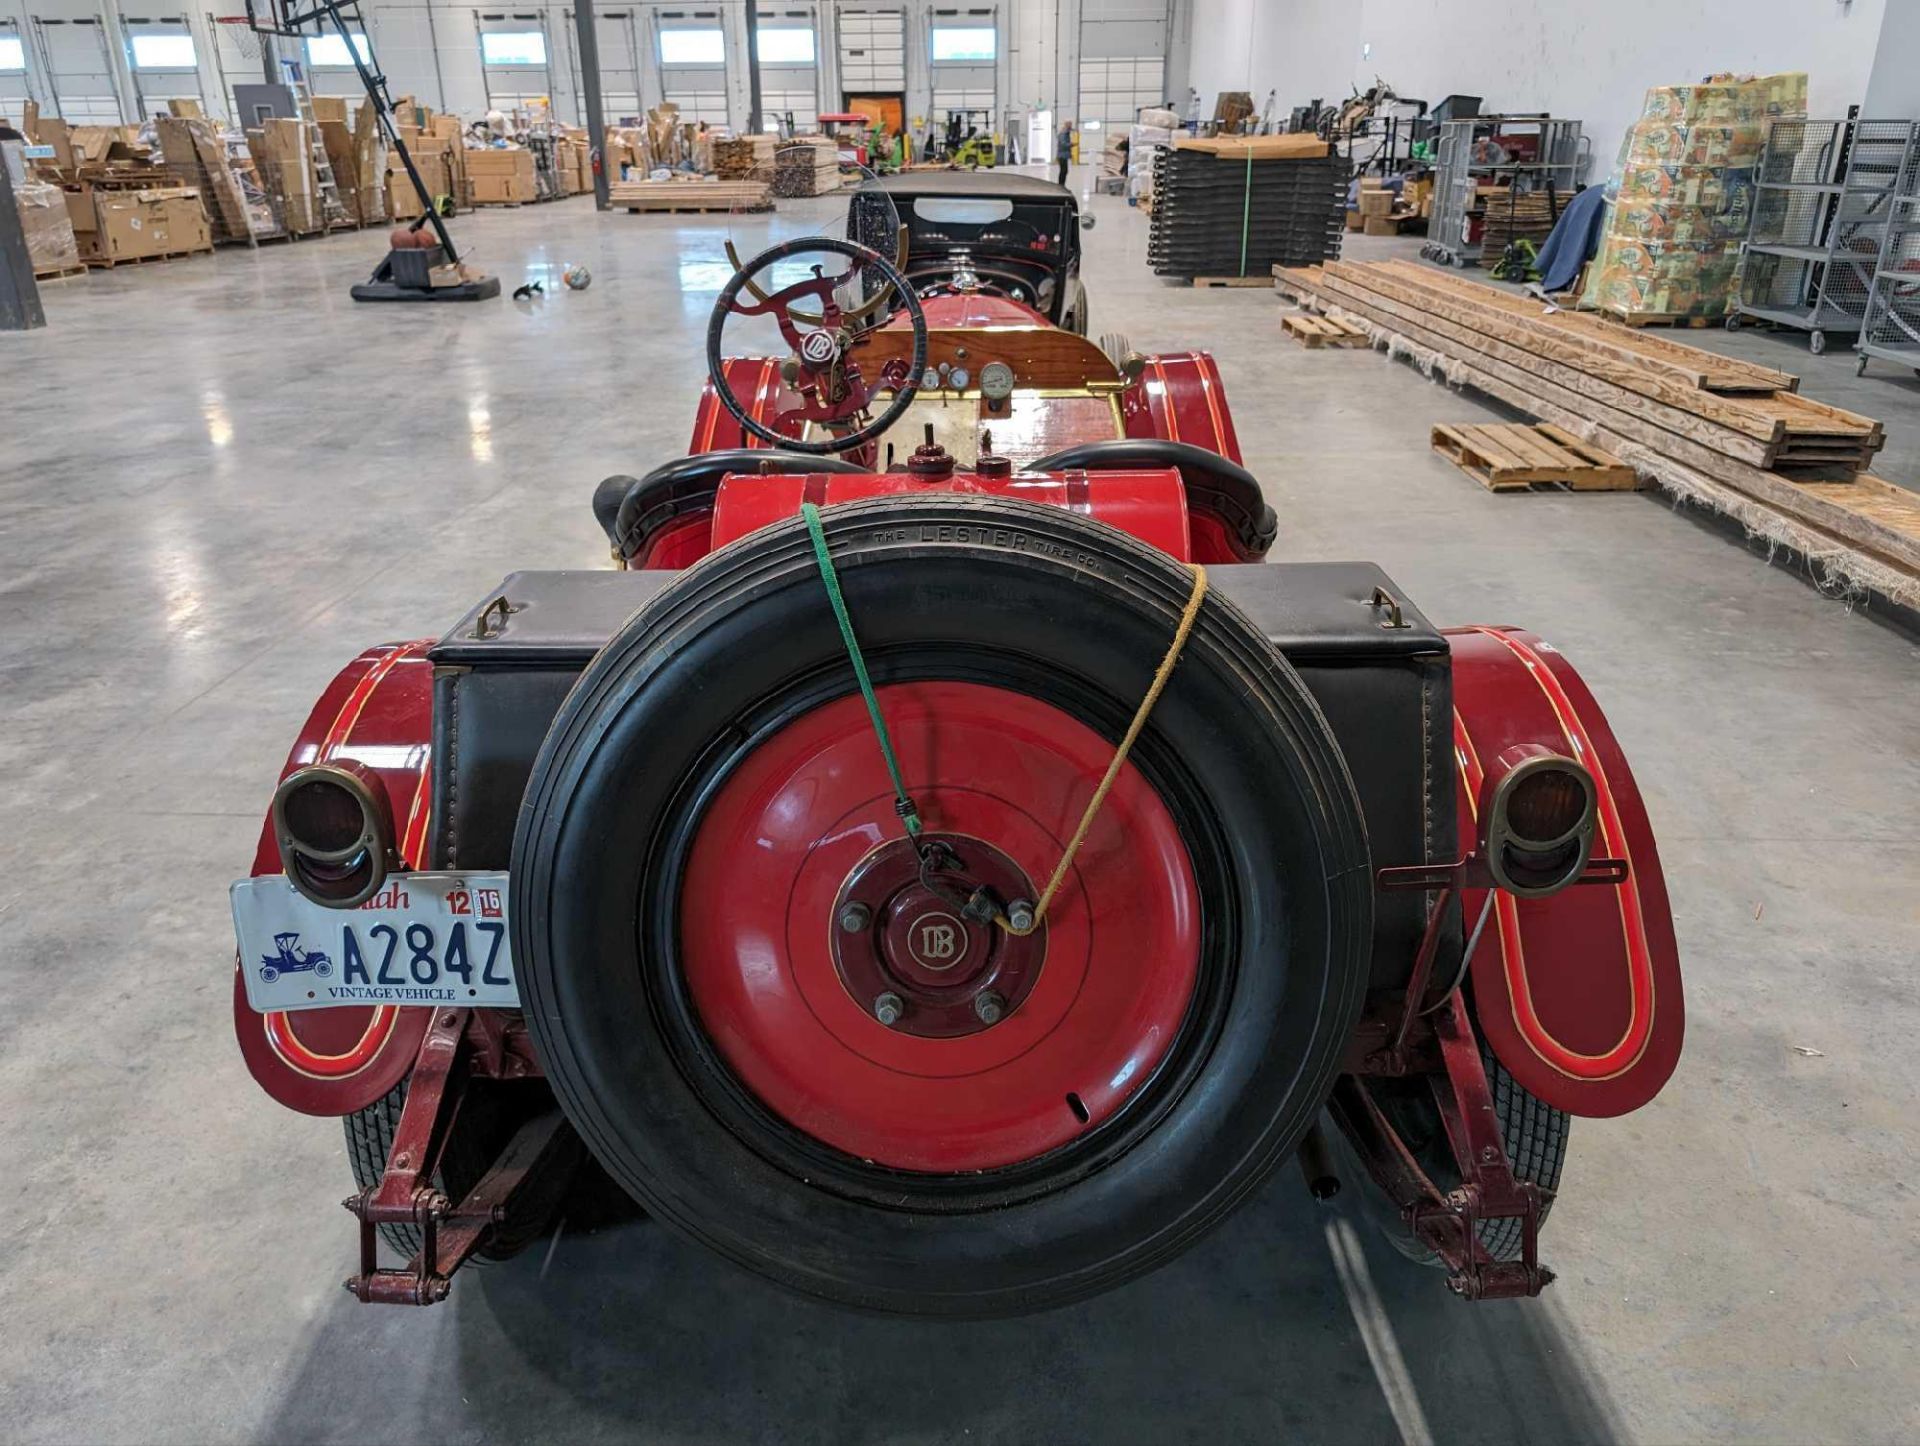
point(709, 1012)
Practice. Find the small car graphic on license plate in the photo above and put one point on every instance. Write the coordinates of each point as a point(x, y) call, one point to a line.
point(426, 938)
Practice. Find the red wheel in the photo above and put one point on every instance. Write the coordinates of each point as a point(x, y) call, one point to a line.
point(1087, 1008)
point(775, 1023)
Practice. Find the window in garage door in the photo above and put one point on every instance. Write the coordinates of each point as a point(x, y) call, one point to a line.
point(691, 49)
point(15, 85)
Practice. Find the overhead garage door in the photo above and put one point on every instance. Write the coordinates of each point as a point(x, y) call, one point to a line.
point(1123, 47)
point(789, 68)
point(873, 52)
point(690, 48)
point(516, 57)
point(79, 76)
point(963, 46)
point(165, 61)
point(618, 40)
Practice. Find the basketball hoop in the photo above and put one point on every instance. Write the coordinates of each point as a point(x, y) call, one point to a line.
point(246, 40)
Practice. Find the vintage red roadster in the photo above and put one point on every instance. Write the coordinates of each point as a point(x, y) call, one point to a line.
point(945, 867)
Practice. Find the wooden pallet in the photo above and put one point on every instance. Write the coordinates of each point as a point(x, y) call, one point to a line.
point(693, 210)
point(1233, 281)
point(1516, 458)
point(107, 263)
point(59, 273)
point(1318, 331)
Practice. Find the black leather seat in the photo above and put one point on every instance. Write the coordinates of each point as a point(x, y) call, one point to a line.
point(631, 510)
point(1214, 484)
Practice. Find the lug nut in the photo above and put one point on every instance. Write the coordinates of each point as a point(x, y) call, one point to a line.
point(888, 1007)
point(1020, 915)
point(855, 916)
point(989, 1006)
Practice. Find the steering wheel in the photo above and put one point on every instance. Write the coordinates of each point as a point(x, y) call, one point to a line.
point(824, 367)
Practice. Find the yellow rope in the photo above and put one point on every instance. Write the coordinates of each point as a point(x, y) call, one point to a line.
point(1187, 620)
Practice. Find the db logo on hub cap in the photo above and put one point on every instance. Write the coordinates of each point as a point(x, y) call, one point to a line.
point(936, 941)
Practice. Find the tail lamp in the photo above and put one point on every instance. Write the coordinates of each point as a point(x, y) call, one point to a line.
point(334, 827)
point(1537, 813)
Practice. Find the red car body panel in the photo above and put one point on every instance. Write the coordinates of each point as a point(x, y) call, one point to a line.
point(1578, 994)
point(378, 712)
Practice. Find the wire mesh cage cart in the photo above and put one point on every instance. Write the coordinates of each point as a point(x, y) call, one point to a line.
point(1535, 160)
point(1890, 329)
point(1823, 195)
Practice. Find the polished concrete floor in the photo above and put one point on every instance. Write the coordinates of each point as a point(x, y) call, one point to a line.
point(221, 478)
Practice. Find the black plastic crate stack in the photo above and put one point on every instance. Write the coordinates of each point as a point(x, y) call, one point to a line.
point(1293, 211)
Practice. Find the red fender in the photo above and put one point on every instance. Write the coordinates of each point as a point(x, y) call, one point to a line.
point(378, 711)
point(1578, 994)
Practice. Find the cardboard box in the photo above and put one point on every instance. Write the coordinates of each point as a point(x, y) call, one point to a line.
point(51, 245)
point(500, 177)
point(1375, 203)
point(1382, 226)
point(132, 225)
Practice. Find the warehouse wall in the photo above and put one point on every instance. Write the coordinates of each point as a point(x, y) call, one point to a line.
point(1591, 62)
point(431, 49)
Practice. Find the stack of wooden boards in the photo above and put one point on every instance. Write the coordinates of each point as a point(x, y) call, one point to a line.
point(692, 194)
point(1238, 206)
point(806, 166)
point(1733, 434)
point(748, 158)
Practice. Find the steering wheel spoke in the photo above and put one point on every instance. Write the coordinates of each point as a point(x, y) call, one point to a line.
point(821, 371)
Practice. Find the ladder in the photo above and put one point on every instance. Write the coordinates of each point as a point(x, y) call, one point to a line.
point(333, 211)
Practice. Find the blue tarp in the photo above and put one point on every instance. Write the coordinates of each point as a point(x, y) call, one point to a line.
point(1576, 236)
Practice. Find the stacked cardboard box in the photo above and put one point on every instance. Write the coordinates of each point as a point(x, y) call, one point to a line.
point(1681, 197)
point(500, 177)
point(196, 156)
point(112, 225)
point(1152, 134)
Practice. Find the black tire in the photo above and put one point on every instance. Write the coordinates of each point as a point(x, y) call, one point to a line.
point(1533, 1131)
point(488, 1117)
point(1116, 346)
point(1032, 598)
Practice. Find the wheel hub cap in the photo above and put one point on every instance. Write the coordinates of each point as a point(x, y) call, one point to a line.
point(923, 948)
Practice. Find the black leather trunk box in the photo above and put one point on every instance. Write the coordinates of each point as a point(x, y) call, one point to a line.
point(504, 670)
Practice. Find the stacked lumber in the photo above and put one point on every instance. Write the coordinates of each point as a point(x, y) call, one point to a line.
point(690, 195)
point(806, 166)
point(1736, 436)
point(1606, 385)
point(748, 158)
point(1240, 206)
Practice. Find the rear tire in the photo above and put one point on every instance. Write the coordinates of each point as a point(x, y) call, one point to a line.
point(1533, 1132)
point(1038, 601)
point(488, 1117)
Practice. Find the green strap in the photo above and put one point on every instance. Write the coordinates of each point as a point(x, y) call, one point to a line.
point(1246, 211)
point(902, 802)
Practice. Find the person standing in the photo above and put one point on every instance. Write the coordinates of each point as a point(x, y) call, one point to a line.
point(1065, 148)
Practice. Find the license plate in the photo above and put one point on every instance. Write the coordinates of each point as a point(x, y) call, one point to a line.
point(426, 938)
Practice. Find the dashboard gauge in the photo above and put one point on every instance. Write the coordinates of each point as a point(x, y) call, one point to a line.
point(996, 381)
point(958, 378)
point(930, 381)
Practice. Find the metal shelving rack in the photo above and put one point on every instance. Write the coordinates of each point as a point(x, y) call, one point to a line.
point(1890, 329)
point(1824, 192)
point(1558, 161)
